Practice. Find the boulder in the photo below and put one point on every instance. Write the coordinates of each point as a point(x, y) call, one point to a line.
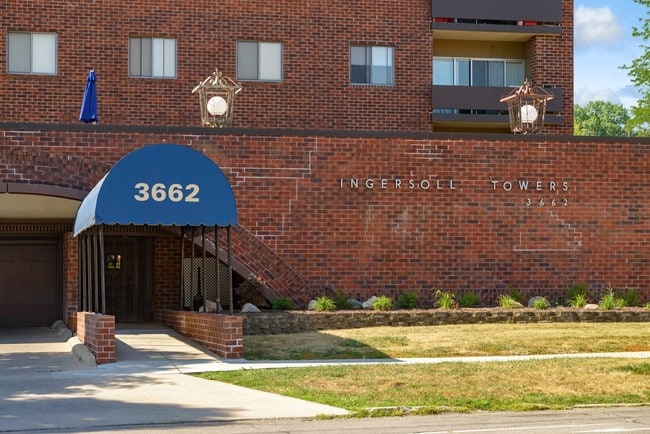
point(532, 301)
point(311, 305)
point(249, 308)
point(355, 304)
point(368, 303)
point(591, 306)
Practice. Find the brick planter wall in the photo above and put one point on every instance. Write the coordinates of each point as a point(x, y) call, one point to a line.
point(222, 334)
point(266, 323)
point(97, 332)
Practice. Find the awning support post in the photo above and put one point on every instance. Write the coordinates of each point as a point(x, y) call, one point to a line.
point(230, 271)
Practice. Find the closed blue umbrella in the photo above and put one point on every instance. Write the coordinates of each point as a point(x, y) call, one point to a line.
point(88, 112)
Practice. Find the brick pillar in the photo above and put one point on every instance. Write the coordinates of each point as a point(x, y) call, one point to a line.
point(97, 332)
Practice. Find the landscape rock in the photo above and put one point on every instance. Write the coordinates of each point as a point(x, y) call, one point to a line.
point(532, 301)
point(311, 305)
point(368, 303)
point(591, 306)
point(249, 308)
point(355, 304)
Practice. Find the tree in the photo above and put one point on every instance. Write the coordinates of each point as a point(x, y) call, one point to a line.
point(639, 72)
point(601, 118)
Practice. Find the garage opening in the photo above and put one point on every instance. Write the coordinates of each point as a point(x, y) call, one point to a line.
point(29, 282)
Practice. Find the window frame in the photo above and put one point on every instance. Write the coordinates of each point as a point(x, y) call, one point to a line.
point(259, 64)
point(154, 61)
point(458, 60)
point(32, 54)
point(370, 65)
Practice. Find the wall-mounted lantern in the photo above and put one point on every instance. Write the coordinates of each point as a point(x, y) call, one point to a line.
point(526, 108)
point(217, 99)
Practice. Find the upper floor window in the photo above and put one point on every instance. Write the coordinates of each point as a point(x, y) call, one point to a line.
point(259, 61)
point(478, 72)
point(371, 65)
point(152, 57)
point(31, 53)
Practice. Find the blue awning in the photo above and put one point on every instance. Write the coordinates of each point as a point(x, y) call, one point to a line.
point(164, 184)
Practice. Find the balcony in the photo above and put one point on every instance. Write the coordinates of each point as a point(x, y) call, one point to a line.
point(470, 107)
point(497, 20)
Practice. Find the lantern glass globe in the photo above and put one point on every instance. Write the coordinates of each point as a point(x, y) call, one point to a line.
point(528, 114)
point(217, 106)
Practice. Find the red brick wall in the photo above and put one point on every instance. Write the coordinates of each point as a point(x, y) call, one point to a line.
point(300, 230)
point(223, 334)
point(70, 282)
point(97, 332)
point(315, 90)
point(552, 65)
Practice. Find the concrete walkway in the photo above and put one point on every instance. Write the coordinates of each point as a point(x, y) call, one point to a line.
point(43, 386)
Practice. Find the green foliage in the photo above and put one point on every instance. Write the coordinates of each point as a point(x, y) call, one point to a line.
point(647, 305)
point(469, 300)
point(601, 118)
point(282, 303)
point(578, 300)
point(341, 301)
point(507, 301)
point(408, 300)
point(610, 301)
point(631, 298)
point(383, 302)
point(444, 299)
point(639, 72)
point(578, 295)
point(541, 303)
point(515, 294)
point(324, 303)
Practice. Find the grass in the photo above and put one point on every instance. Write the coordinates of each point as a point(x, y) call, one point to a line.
point(397, 389)
point(451, 340)
point(427, 389)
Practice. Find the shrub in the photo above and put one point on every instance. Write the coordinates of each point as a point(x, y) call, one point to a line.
point(251, 291)
point(578, 300)
point(515, 294)
point(282, 303)
point(324, 303)
point(506, 301)
point(631, 298)
point(610, 301)
point(469, 300)
point(408, 300)
point(541, 303)
point(647, 305)
point(341, 301)
point(577, 295)
point(383, 302)
point(444, 299)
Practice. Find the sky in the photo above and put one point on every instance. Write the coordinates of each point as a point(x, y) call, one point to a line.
point(603, 43)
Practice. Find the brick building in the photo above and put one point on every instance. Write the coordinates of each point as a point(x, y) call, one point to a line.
point(369, 152)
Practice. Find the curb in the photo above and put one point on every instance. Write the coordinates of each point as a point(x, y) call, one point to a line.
point(77, 348)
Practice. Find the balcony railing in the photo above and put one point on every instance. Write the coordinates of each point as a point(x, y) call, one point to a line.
point(527, 11)
point(470, 104)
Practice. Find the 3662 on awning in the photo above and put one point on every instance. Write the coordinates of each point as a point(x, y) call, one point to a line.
point(157, 185)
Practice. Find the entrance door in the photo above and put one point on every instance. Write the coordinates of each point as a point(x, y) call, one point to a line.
point(127, 278)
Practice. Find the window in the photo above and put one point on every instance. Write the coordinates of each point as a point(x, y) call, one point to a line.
point(152, 57)
point(259, 61)
point(371, 65)
point(31, 53)
point(478, 72)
